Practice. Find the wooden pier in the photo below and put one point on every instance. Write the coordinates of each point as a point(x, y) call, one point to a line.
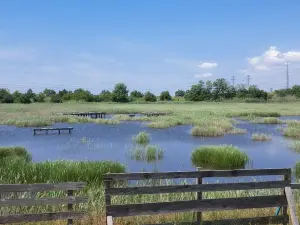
point(46, 130)
point(94, 115)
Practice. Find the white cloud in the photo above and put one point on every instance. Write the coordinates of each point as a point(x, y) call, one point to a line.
point(208, 65)
point(203, 75)
point(272, 57)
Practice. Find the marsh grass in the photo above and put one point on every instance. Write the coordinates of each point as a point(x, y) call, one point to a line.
point(261, 137)
point(254, 114)
point(219, 157)
point(142, 138)
point(15, 151)
point(19, 171)
point(295, 146)
point(147, 153)
point(293, 130)
point(266, 120)
point(126, 117)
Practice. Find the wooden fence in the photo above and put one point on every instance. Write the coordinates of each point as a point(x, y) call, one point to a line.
point(69, 215)
point(283, 200)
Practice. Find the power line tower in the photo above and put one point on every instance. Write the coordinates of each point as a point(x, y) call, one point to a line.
point(248, 80)
point(287, 75)
point(233, 79)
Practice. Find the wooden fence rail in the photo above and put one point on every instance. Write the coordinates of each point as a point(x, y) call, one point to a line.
point(34, 188)
point(199, 205)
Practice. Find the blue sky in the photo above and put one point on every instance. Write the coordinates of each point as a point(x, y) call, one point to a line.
point(149, 45)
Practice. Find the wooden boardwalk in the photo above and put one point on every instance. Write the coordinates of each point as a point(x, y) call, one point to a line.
point(87, 114)
point(47, 129)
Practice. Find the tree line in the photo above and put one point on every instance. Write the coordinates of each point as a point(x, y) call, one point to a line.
point(217, 90)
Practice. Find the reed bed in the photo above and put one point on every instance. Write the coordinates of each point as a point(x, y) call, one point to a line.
point(219, 157)
point(295, 146)
point(261, 137)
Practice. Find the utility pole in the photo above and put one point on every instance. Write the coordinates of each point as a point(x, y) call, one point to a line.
point(248, 80)
point(287, 75)
point(233, 79)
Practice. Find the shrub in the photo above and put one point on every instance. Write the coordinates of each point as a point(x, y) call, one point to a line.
point(261, 137)
point(219, 157)
point(142, 138)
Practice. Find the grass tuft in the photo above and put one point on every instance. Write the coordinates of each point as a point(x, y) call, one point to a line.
point(16, 151)
point(219, 157)
point(295, 146)
point(261, 137)
point(266, 120)
point(142, 138)
point(147, 153)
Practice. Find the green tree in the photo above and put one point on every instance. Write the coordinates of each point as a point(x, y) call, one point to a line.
point(120, 93)
point(6, 96)
point(24, 99)
point(197, 92)
point(136, 94)
point(104, 96)
point(49, 92)
point(149, 97)
point(179, 93)
point(165, 96)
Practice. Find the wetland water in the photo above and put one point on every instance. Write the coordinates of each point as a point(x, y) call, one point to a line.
point(114, 142)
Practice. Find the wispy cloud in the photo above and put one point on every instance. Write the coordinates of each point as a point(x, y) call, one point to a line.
point(208, 65)
point(204, 75)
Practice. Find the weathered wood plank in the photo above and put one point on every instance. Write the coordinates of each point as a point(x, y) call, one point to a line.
point(196, 188)
point(295, 185)
point(292, 206)
point(53, 128)
point(196, 205)
point(242, 221)
point(41, 187)
point(42, 201)
point(40, 217)
point(195, 174)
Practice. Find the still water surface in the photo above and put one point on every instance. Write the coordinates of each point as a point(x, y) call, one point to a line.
point(114, 142)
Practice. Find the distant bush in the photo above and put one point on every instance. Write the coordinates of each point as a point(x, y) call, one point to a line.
point(56, 98)
point(165, 96)
point(149, 97)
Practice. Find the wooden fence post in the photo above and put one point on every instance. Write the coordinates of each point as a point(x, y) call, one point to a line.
point(199, 197)
point(70, 207)
point(107, 184)
point(285, 208)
